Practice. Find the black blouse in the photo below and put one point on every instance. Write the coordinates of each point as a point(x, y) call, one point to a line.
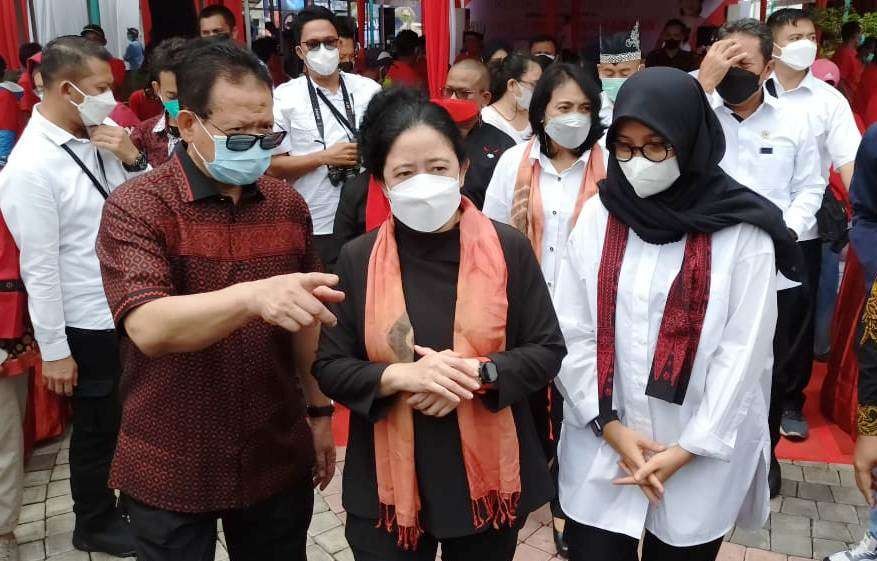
point(430, 265)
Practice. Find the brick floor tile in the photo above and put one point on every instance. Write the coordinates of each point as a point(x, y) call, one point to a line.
point(49, 448)
point(848, 479)
point(848, 496)
point(30, 532)
point(530, 526)
point(61, 472)
point(731, 552)
point(33, 551)
point(759, 555)
point(800, 507)
point(788, 524)
point(814, 491)
point(37, 477)
point(32, 513)
point(824, 548)
point(334, 502)
point(529, 553)
point(789, 488)
point(543, 514)
point(819, 474)
point(776, 503)
point(759, 539)
point(70, 556)
point(59, 543)
point(334, 485)
point(791, 472)
point(837, 513)
point(543, 539)
point(791, 544)
point(826, 530)
point(344, 555)
point(34, 495)
point(314, 553)
point(323, 522)
point(332, 541)
point(59, 505)
point(40, 462)
point(60, 524)
point(58, 488)
point(63, 457)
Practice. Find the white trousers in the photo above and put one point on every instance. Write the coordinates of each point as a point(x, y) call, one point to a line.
point(13, 399)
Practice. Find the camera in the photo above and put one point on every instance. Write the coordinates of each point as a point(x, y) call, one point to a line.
point(338, 175)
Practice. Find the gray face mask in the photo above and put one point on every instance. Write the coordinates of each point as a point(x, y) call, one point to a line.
point(569, 130)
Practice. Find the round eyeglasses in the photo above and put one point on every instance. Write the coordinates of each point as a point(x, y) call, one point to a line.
point(652, 151)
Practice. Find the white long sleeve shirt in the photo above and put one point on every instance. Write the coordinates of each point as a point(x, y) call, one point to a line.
point(775, 153)
point(53, 212)
point(559, 194)
point(723, 420)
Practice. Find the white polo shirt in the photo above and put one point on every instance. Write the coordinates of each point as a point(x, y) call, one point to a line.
point(831, 118)
point(53, 212)
point(294, 114)
point(774, 153)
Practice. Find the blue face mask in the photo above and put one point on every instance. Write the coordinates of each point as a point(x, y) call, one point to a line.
point(235, 168)
point(172, 107)
point(611, 87)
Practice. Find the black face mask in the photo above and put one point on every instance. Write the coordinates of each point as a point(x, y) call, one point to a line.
point(738, 85)
point(672, 44)
point(346, 67)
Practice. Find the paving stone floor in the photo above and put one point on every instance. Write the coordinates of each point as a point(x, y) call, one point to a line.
point(820, 511)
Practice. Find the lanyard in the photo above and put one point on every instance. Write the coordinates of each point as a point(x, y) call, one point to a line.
point(97, 184)
point(347, 122)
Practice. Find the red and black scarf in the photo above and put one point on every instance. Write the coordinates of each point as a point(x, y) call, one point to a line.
point(681, 325)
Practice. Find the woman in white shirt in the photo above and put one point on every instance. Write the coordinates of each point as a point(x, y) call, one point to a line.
point(513, 80)
point(539, 187)
point(667, 301)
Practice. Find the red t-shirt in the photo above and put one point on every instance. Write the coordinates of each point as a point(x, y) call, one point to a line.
point(867, 89)
point(403, 74)
point(144, 106)
point(851, 68)
point(117, 67)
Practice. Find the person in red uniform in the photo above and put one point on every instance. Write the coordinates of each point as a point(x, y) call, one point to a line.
point(847, 59)
point(145, 104)
point(25, 52)
point(11, 118)
point(95, 33)
point(403, 72)
point(473, 46)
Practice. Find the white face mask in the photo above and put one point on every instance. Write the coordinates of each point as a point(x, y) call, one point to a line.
point(525, 98)
point(323, 61)
point(425, 202)
point(650, 178)
point(569, 130)
point(94, 109)
point(798, 55)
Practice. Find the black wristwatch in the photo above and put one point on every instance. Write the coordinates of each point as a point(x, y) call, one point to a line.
point(139, 164)
point(324, 411)
point(487, 372)
point(599, 424)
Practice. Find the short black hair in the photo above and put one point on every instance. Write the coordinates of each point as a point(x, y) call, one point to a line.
point(206, 62)
point(407, 42)
point(512, 67)
point(265, 48)
point(345, 28)
point(786, 16)
point(393, 111)
point(753, 28)
point(849, 30)
point(476, 34)
point(676, 22)
point(27, 50)
point(493, 46)
point(309, 14)
point(167, 56)
point(65, 58)
point(552, 79)
point(543, 38)
point(218, 10)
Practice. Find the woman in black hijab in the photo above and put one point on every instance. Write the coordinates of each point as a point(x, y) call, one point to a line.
point(667, 301)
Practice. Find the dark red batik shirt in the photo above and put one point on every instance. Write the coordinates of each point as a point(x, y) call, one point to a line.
point(224, 427)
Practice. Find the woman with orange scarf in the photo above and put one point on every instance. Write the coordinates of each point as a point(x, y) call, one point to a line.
point(446, 331)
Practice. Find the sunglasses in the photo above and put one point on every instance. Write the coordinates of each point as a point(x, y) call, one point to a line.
point(314, 44)
point(239, 142)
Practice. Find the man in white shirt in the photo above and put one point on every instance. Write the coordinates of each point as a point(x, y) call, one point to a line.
point(321, 110)
point(51, 195)
point(773, 151)
point(838, 138)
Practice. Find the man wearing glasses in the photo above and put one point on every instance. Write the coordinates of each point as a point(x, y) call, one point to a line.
point(321, 111)
point(468, 82)
point(210, 274)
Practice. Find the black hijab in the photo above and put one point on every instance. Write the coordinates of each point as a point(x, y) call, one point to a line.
point(704, 198)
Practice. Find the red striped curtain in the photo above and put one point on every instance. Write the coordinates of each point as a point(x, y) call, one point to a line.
point(13, 30)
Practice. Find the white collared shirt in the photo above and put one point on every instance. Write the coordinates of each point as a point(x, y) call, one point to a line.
point(606, 109)
point(831, 119)
point(293, 113)
point(493, 117)
point(723, 419)
point(559, 194)
point(53, 211)
point(160, 127)
point(774, 153)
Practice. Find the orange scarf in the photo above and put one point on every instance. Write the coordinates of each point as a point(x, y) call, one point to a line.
point(527, 213)
point(489, 440)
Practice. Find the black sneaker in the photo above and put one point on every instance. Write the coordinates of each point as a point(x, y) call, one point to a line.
point(116, 538)
point(794, 426)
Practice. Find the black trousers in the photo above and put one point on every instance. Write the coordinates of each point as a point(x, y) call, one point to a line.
point(587, 543)
point(96, 417)
point(376, 544)
point(272, 530)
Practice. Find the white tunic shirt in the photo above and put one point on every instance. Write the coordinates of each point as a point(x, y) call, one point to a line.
point(831, 118)
point(774, 153)
point(559, 194)
point(723, 420)
point(53, 212)
point(293, 113)
point(492, 117)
